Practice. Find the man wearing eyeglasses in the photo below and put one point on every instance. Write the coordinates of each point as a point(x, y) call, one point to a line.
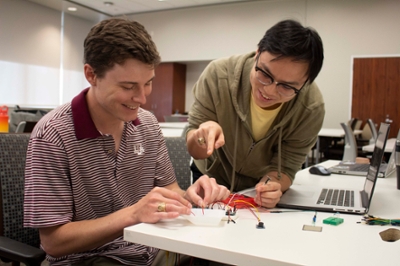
point(256, 116)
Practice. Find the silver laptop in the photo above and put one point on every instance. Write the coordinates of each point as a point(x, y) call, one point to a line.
point(360, 169)
point(346, 200)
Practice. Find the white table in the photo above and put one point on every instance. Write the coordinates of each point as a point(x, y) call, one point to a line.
point(172, 129)
point(283, 242)
point(390, 143)
point(181, 125)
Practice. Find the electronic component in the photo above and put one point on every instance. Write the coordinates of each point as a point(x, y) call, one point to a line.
point(333, 220)
point(314, 219)
point(230, 217)
point(371, 220)
point(230, 214)
point(260, 225)
point(230, 211)
point(312, 228)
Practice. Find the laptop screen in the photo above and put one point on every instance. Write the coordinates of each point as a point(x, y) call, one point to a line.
point(376, 161)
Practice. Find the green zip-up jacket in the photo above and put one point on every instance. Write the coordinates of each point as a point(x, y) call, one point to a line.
point(222, 94)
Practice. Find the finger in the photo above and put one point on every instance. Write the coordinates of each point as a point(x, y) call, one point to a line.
point(220, 141)
point(168, 215)
point(270, 186)
point(196, 191)
point(223, 193)
point(210, 144)
point(260, 189)
point(269, 202)
point(201, 136)
point(269, 199)
point(163, 195)
point(176, 207)
point(194, 197)
point(201, 141)
point(211, 190)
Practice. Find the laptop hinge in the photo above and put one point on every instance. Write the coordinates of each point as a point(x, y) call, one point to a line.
point(364, 199)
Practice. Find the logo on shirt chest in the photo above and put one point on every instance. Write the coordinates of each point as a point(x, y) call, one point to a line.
point(138, 149)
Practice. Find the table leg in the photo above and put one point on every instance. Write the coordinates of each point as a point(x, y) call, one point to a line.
point(317, 156)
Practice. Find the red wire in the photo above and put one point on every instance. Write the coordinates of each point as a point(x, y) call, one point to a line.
point(231, 201)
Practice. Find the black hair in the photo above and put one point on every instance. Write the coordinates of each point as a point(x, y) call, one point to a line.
point(288, 38)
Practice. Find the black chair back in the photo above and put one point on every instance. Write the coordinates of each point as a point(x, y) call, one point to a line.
point(13, 149)
point(180, 159)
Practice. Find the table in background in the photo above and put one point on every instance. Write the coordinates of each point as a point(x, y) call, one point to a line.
point(283, 242)
point(390, 143)
point(331, 133)
point(173, 129)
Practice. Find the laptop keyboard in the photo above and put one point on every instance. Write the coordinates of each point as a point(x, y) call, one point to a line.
point(361, 167)
point(336, 197)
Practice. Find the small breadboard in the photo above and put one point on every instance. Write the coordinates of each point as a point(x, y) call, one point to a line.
point(312, 228)
point(333, 220)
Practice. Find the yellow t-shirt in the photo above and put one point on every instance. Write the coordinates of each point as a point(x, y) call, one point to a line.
point(261, 119)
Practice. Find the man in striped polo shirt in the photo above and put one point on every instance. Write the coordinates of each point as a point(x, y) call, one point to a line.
point(99, 163)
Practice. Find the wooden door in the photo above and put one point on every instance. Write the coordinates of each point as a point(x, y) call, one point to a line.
point(376, 91)
point(168, 94)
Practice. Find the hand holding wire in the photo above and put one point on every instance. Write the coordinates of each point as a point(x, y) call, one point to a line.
point(206, 191)
point(268, 194)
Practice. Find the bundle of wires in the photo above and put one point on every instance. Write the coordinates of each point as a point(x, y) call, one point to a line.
point(371, 220)
point(244, 200)
point(239, 201)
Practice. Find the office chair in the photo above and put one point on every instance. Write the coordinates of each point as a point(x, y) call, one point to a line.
point(25, 126)
point(374, 132)
point(180, 159)
point(17, 244)
point(352, 123)
point(350, 147)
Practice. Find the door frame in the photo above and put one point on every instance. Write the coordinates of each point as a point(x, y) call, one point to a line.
point(353, 57)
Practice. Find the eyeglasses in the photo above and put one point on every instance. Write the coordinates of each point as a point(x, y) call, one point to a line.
point(265, 79)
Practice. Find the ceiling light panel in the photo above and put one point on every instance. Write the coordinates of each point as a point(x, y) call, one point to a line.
point(128, 7)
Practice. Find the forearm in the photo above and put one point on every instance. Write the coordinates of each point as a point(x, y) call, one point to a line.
point(85, 235)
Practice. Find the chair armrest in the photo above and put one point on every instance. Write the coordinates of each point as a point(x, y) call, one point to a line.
point(18, 251)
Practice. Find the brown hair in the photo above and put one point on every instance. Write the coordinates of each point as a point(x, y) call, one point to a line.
point(115, 40)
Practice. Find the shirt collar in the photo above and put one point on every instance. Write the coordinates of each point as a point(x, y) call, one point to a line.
point(83, 123)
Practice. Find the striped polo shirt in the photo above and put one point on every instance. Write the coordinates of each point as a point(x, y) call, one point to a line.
point(73, 173)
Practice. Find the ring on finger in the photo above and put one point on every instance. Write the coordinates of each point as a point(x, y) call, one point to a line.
point(201, 141)
point(162, 207)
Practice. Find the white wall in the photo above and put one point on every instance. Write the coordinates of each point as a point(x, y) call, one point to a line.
point(348, 28)
point(30, 55)
point(193, 70)
point(75, 31)
point(29, 42)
